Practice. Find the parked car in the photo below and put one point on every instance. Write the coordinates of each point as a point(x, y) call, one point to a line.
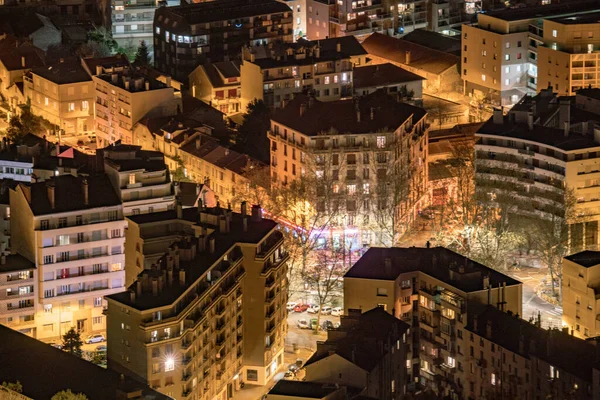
point(101, 347)
point(326, 310)
point(290, 305)
point(293, 368)
point(289, 375)
point(302, 324)
point(97, 338)
point(337, 311)
point(336, 325)
point(313, 309)
point(57, 345)
point(301, 307)
point(313, 323)
point(327, 325)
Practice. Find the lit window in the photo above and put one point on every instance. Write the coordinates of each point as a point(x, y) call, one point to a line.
point(507, 70)
point(131, 179)
point(507, 57)
point(71, 106)
point(351, 189)
point(483, 77)
point(380, 142)
point(335, 79)
point(169, 365)
point(451, 361)
point(46, 101)
point(157, 30)
point(327, 80)
point(554, 34)
point(366, 188)
point(85, 105)
point(344, 77)
point(493, 379)
point(507, 82)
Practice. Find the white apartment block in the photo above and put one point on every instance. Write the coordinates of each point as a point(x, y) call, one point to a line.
point(73, 229)
point(18, 282)
point(141, 179)
point(132, 20)
point(125, 97)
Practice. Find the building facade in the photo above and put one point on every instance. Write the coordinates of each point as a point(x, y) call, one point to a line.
point(18, 293)
point(125, 97)
point(63, 94)
point(73, 230)
point(188, 325)
point(188, 35)
point(428, 288)
point(219, 85)
point(353, 147)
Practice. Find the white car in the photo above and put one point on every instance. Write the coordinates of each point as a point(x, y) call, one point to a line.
point(290, 305)
point(326, 310)
point(337, 311)
point(303, 324)
point(95, 338)
point(313, 309)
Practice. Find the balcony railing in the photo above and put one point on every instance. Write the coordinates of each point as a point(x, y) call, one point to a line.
point(84, 290)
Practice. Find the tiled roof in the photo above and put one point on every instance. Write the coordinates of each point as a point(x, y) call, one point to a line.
point(382, 75)
point(68, 71)
point(421, 57)
point(13, 55)
point(377, 110)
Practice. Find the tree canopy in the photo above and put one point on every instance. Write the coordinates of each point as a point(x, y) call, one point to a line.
point(252, 135)
point(68, 395)
point(72, 342)
point(142, 56)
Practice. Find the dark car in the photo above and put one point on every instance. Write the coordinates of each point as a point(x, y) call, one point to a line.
point(327, 325)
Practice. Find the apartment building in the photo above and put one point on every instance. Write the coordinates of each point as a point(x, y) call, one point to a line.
point(131, 22)
point(210, 313)
point(322, 68)
point(317, 19)
point(438, 68)
point(429, 288)
point(72, 228)
point(568, 57)
point(367, 353)
point(354, 147)
point(219, 85)
point(18, 293)
point(299, 17)
point(504, 356)
point(125, 97)
point(63, 94)
point(140, 178)
point(188, 35)
point(191, 148)
point(5, 186)
point(580, 284)
point(500, 56)
point(16, 160)
point(544, 146)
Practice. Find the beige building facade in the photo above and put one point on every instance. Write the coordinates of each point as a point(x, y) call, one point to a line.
point(195, 332)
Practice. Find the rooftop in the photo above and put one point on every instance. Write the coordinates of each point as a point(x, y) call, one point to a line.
point(16, 262)
point(65, 72)
point(17, 56)
point(222, 10)
point(421, 57)
point(219, 71)
point(589, 18)
point(107, 63)
point(69, 194)
point(378, 111)
point(19, 21)
point(357, 339)
point(44, 370)
point(435, 41)
point(586, 258)
point(302, 389)
point(382, 75)
point(576, 356)
point(212, 152)
point(132, 158)
point(133, 80)
point(545, 11)
point(189, 193)
point(204, 260)
point(438, 262)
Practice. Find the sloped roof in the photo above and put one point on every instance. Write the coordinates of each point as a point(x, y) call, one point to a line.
point(421, 57)
point(68, 71)
point(382, 75)
point(13, 55)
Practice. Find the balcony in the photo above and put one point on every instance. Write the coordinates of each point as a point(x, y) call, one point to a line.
point(269, 245)
point(20, 307)
point(84, 290)
point(270, 298)
point(186, 360)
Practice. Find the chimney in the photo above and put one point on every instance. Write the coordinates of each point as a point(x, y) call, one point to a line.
point(147, 85)
point(23, 61)
point(488, 330)
point(530, 120)
point(114, 78)
point(566, 128)
point(154, 287)
point(252, 57)
point(127, 84)
point(407, 57)
point(86, 191)
point(302, 109)
point(223, 224)
point(168, 81)
point(197, 143)
point(3, 259)
point(338, 47)
point(243, 208)
point(475, 323)
point(498, 118)
point(179, 209)
point(564, 112)
point(51, 198)
point(138, 288)
point(211, 245)
point(182, 277)
point(534, 108)
point(372, 113)
point(318, 52)
point(98, 69)
point(132, 296)
point(486, 281)
point(245, 223)
point(256, 213)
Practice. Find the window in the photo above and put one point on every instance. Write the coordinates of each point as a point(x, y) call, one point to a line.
point(365, 188)
point(493, 379)
point(554, 34)
point(48, 308)
point(507, 70)
point(98, 302)
point(44, 224)
point(71, 106)
point(393, 386)
point(507, 82)
point(380, 142)
point(381, 292)
point(64, 240)
point(85, 105)
point(96, 320)
point(451, 361)
point(351, 189)
point(483, 77)
point(507, 57)
point(169, 365)
point(327, 80)
point(48, 259)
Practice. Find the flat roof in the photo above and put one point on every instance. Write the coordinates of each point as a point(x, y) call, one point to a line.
point(302, 389)
point(563, 8)
point(587, 258)
point(44, 371)
point(438, 262)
